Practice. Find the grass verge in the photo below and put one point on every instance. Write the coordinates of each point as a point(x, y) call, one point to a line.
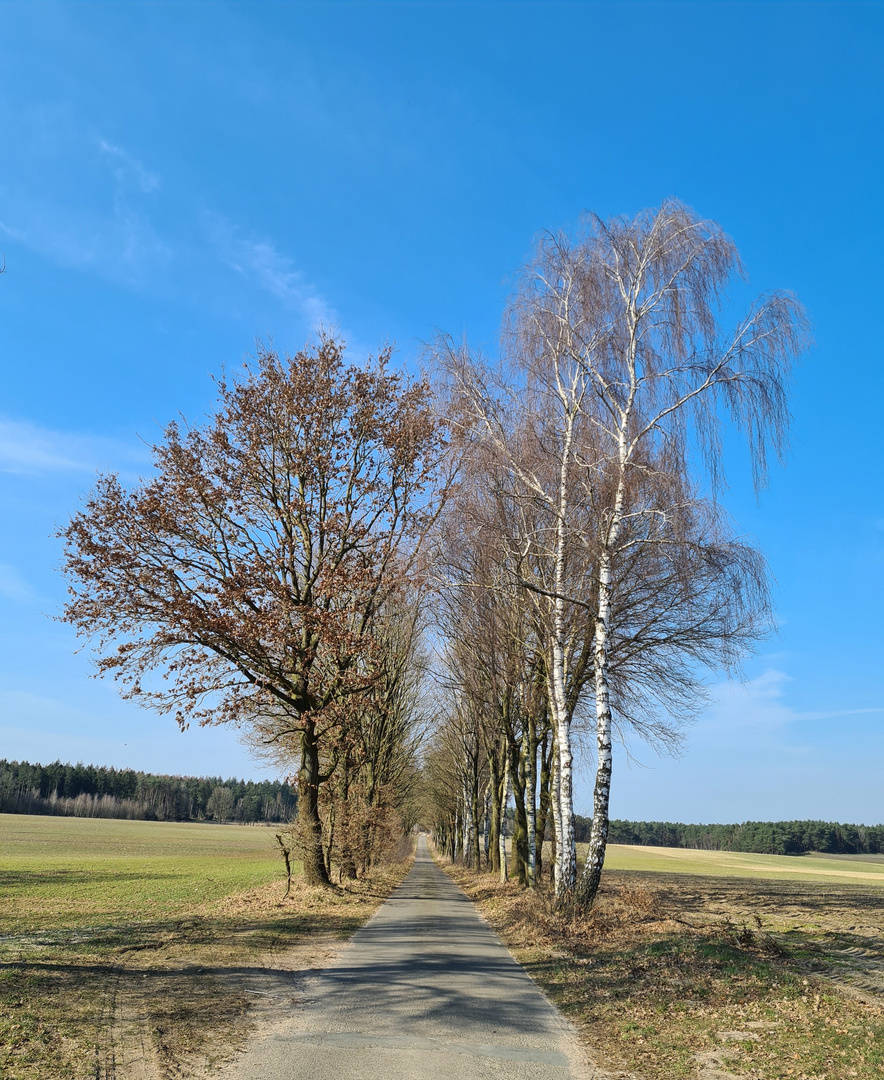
point(688, 977)
point(148, 950)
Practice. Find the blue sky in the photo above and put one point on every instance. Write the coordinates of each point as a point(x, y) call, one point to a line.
point(180, 179)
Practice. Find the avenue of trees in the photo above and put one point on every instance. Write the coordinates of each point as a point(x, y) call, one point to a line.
point(424, 598)
point(589, 581)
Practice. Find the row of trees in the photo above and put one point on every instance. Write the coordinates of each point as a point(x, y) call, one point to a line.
point(588, 579)
point(269, 576)
point(94, 791)
point(274, 573)
point(764, 837)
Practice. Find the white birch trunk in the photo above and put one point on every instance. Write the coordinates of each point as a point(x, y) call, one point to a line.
point(486, 825)
point(598, 836)
point(566, 852)
point(506, 783)
point(467, 826)
point(556, 811)
point(529, 750)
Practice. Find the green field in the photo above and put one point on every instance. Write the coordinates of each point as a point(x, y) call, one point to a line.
point(151, 943)
point(120, 938)
point(65, 872)
point(831, 869)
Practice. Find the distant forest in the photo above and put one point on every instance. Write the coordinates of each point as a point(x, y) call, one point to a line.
point(763, 837)
point(93, 791)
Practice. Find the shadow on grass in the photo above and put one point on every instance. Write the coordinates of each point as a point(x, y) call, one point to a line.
point(128, 937)
point(187, 985)
point(695, 892)
point(675, 975)
point(181, 988)
point(11, 880)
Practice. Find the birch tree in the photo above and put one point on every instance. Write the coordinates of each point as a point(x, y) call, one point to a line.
point(525, 434)
point(609, 405)
point(494, 654)
point(629, 315)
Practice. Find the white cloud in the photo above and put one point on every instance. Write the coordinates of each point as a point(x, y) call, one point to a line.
point(272, 271)
point(13, 233)
point(760, 703)
point(277, 274)
point(28, 448)
point(110, 233)
point(62, 235)
point(119, 242)
point(127, 167)
point(754, 756)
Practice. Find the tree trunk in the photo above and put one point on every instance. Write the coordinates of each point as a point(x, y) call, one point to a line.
point(566, 852)
point(310, 825)
point(348, 867)
point(486, 824)
point(519, 848)
point(495, 789)
point(345, 827)
point(286, 854)
point(476, 860)
point(467, 839)
point(598, 838)
point(503, 801)
point(557, 816)
point(543, 812)
point(589, 882)
point(366, 831)
point(529, 754)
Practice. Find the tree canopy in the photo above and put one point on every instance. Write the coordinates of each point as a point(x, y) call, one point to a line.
point(242, 583)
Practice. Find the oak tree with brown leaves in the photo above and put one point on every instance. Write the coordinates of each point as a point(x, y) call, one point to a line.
point(241, 584)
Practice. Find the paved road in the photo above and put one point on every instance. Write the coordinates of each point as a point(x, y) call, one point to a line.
point(424, 991)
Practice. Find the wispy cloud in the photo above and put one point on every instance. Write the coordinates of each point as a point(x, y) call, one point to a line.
point(13, 233)
point(100, 219)
point(119, 242)
point(25, 448)
point(761, 703)
point(14, 587)
point(110, 218)
point(29, 448)
point(754, 755)
point(275, 273)
point(126, 168)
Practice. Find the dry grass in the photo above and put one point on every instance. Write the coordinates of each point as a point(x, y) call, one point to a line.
point(105, 991)
point(681, 976)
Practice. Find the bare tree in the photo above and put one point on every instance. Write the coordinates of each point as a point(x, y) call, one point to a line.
point(522, 434)
point(627, 318)
point(495, 650)
point(617, 380)
point(250, 572)
point(220, 804)
point(381, 740)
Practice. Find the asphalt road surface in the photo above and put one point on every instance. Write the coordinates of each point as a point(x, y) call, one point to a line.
point(424, 991)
